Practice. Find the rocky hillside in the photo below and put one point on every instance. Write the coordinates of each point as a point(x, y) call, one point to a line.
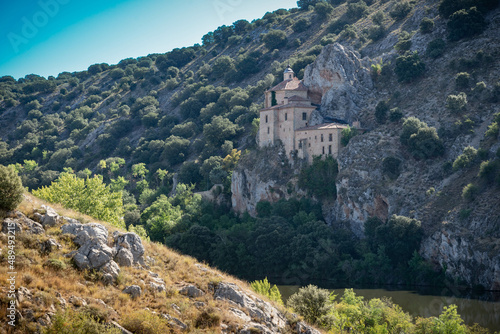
point(71, 268)
point(381, 176)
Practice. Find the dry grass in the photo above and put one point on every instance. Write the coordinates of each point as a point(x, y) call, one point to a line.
point(51, 275)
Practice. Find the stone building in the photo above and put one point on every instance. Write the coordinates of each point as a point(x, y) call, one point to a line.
point(286, 117)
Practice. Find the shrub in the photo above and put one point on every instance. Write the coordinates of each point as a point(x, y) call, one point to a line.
point(301, 25)
point(470, 191)
point(426, 25)
point(488, 169)
point(311, 302)
point(404, 42)
point(456, 102)
point(378, 18)
point(145, 322)
point(323, 10)
point(347, 134)
point(381, 111)
point(401, 10)
point(55, 264)
point(376, 32)
point(264, 288)
point(462, 80)
point(395, 114)
point(465, 159)
point(426, 144)
point(71, 322)
point(356, 10)
point(319, 178)
point(11, 188)
point(409, 67)
point(275, 39)
point(435, 48)
point(207, 319)
point(465, 23)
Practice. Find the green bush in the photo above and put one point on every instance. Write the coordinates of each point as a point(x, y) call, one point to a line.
point(395, 114)
point(426, 25)
point(274, 39)
point(422, 140)
point(319, 178)
point(465, 159)
point(301, 25)
point(311, 302)
point(71, 322)
point(356, 10)
point(465, 23)
point(462, 80)
point(401, 10)
point(381, 111)
point(489, 169)
point(470, 191)
point(435, 48)
point(11, 188)
point(409, 67)
point(404, 42)
point(347, 134)
point(323, 10)
point(456, 103)
point(264, 288)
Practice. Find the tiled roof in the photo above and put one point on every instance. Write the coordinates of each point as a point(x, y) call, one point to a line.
point(290, 84)
point(323, 126)
point(297, 98)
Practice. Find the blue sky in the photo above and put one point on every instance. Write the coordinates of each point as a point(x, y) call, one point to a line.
point(47, 37)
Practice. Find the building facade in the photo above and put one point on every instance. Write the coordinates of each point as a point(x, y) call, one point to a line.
point(286, 116)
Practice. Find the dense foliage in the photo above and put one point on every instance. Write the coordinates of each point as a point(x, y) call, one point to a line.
point(11, 188)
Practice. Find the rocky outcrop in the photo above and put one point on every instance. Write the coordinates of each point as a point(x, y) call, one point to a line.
point(134, 291)
point(339, 82)
point(256, 313)
point(463, 254)
point(264, 175)
point(95, 253)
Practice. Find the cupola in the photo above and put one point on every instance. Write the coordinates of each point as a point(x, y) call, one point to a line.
point(288, 73)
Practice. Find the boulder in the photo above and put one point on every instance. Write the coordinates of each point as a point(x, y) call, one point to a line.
point(50, 218)
point(124, 257)
point(133, 290)
point(157, 287)
point(132, 242)
point(191, 291)
point(84, 232)
point(49, 245)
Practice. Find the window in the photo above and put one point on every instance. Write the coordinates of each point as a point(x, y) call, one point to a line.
point(267, 130)
point(304, 116)
point(321, 137)
point(330, 137)
point(266, 118)
point(330, 149)
point(323, 150)
point(286, 116)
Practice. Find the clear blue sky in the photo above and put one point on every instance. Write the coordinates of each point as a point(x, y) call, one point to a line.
point(47, 37)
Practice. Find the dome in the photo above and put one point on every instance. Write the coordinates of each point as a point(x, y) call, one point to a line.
point(288, 70)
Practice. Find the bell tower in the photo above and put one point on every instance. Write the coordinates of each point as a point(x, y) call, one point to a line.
point(288, 74)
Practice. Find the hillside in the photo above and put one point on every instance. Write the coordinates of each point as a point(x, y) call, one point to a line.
point(151, 290)
point(420, 76)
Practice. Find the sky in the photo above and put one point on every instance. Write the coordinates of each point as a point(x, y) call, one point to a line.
point(47, 37)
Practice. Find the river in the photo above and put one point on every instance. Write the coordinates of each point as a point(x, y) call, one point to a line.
point(483, 309)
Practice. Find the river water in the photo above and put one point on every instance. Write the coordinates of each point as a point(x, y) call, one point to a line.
point(483, 309)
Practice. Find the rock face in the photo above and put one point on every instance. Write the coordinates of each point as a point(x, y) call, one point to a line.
point(265, 175)
point(128, 244)
point(255, 312)
point(339, 81)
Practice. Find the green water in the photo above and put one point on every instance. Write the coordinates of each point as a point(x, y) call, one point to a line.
point(426, 304)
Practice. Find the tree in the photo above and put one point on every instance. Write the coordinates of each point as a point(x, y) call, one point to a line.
point(347, 134)
point(301, 25)
point(319, 178)
point(401, 10)
point(274, 39)
point(356, 10)
point(219, 130)
point(381, 111)
point(456, 103)
point(409, 67)
point(465, 23)
point(304, 4)
point(176, 149)
point(450, 321)
point(323, 10)
point(311, 302)
point(435, 48)
point(465, 159)
point(222, 66)
point(160, 218)
point(426, 25)
point(11, 188)
point(89, 196)
point(264, 288)
point(426, 143)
